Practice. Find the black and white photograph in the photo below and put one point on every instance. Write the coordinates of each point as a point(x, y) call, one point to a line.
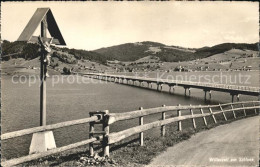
point(130, 83)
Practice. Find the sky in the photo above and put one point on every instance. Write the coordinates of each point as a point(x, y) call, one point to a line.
point(93, 25)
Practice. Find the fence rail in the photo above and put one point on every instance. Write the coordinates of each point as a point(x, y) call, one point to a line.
point(118, 136)
point(135, 114)
point(48, 127)
point(105, 118)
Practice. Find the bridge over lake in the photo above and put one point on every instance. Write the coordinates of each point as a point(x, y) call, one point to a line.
point(233, 90)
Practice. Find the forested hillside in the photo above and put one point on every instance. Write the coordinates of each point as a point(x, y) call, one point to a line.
point(123, 52)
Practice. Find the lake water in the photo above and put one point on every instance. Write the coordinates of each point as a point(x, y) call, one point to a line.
point(69, 101)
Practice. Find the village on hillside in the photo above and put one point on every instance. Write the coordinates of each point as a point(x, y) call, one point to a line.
point(64, 62)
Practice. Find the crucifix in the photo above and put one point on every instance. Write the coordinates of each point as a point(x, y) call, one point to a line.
point(43, 17)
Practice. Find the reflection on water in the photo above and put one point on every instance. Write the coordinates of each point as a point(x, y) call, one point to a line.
point(74, 101)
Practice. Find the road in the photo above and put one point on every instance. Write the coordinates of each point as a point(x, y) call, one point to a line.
point(234, 144)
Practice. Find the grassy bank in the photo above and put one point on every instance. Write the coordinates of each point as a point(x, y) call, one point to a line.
point(128, 152)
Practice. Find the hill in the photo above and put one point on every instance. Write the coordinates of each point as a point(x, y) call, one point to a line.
point(125, 52)
point(23, 57)
point(19, 49)
point(221, 48)
point(30, 51)
point(135, 51)
point(144, 56)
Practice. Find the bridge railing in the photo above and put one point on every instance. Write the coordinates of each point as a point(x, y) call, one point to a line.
point(106, 119)
point(213, 85)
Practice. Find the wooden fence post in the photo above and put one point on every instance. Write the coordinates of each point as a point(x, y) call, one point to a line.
point(179, 122)
point(233, 111)
point(141, 135)
point(163, 126)
point(213, 116)
point(224, 115)
point(193, 119)
point(106, 133)
point(244, 109)
point(91, 129)
point(204, 118)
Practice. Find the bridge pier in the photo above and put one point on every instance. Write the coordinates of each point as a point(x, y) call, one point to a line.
point(159, 87)
point(205, 94)
point(186, 91)
point(238, 97)
point(140, 83)
point(171, 88)
point(233, 95)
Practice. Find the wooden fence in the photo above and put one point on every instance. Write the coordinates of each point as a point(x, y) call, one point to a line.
point(105, 139)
